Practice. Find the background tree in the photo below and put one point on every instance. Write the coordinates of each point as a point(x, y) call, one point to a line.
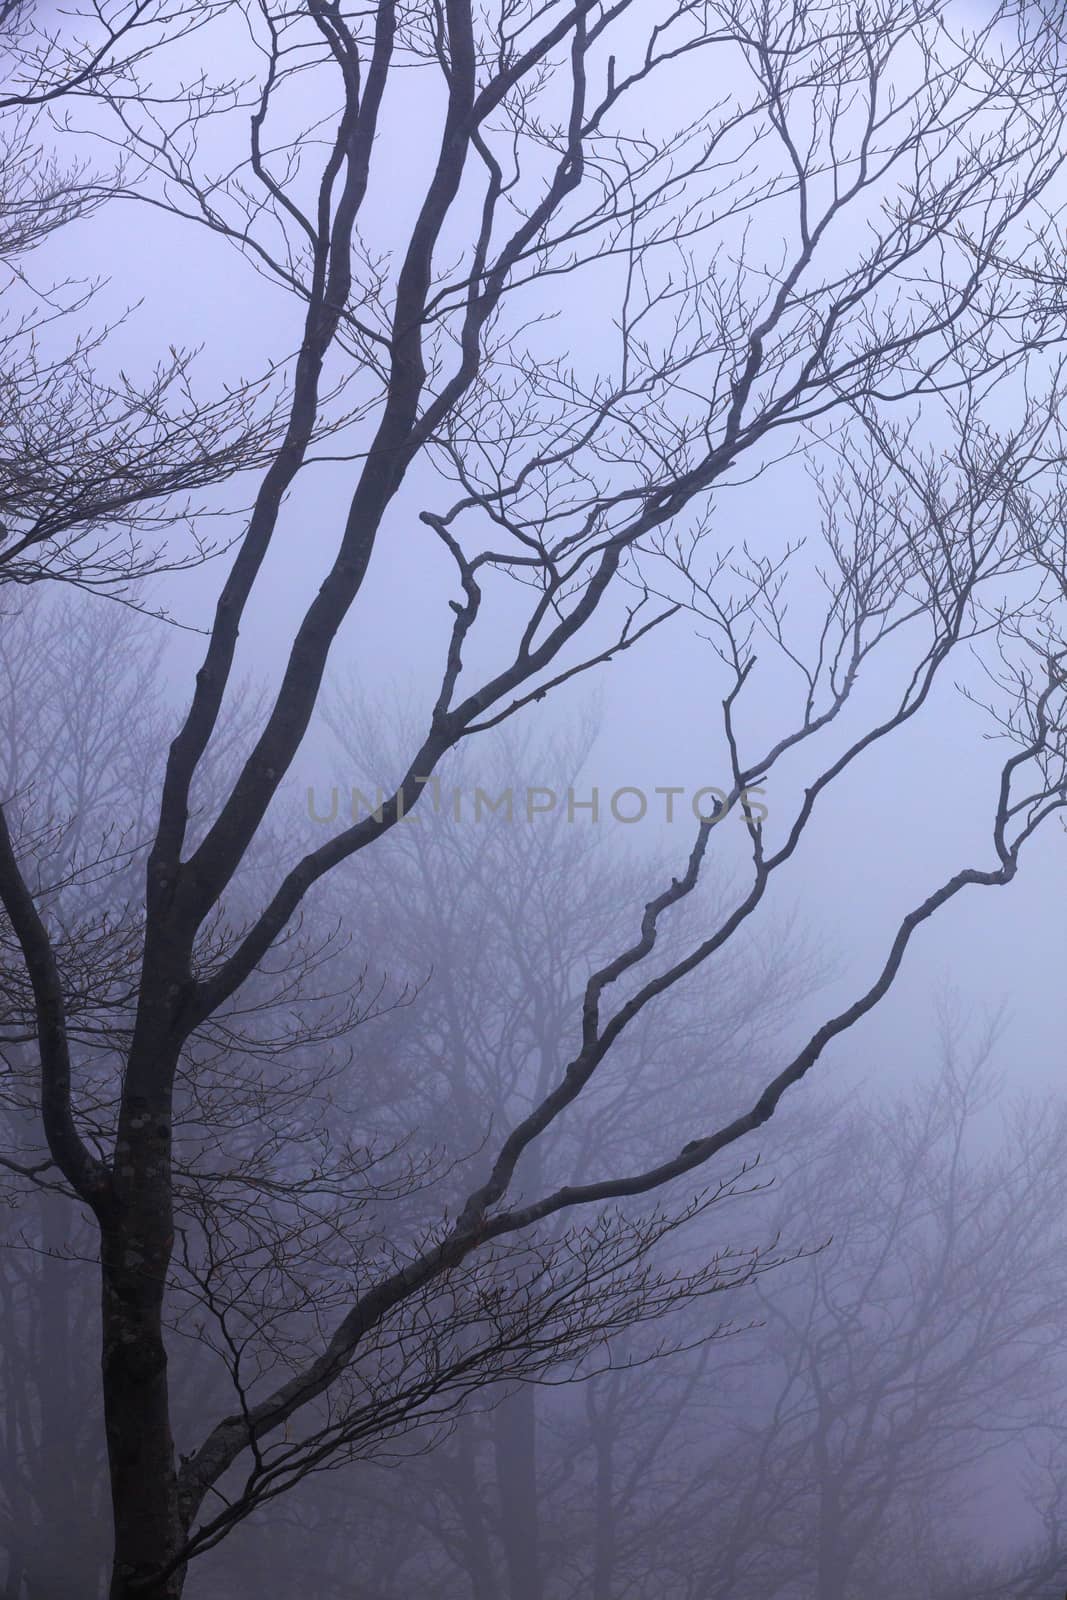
point(869, 1410)
point(272, 1187)
point(75, 745)
point(97, 467)
point(923, 1341)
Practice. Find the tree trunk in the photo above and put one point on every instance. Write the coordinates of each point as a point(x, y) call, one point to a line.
point(144, 1497)
point(15, 1569)
point(515, 1439)
point(604, 1538)
point(830, 1569)
point(479, 1559)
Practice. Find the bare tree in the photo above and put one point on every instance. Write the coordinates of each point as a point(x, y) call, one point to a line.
point(283, 1177)
point(491, 928)
point(838, 1444)
point(923, 1341)
point(75, 746)
point(906, 172)
point(97, 468)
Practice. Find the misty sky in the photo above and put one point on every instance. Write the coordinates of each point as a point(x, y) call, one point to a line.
point(912, 812)
point(366, 1136)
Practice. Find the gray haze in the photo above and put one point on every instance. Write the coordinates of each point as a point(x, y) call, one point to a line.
point(828, 1363)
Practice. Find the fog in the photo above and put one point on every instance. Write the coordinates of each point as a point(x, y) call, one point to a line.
point(533, 801)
